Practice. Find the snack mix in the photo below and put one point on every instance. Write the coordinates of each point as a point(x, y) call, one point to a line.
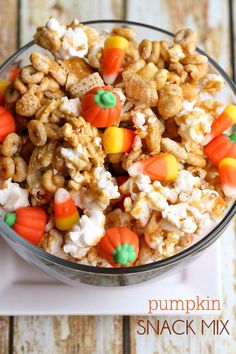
point(113, 152)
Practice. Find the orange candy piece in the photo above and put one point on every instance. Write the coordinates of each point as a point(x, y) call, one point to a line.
point(101, 106)
point(14, 74)
point(227, 171)
point(119, 246)
point(116, 140)
point(114, 51)
point(28, 222)
point(225, 120)
point(65, 211)
point(161, 167)
point(7, 123)
point(220, 147)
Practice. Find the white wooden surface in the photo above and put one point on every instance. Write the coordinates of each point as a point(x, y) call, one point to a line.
point(98, 335)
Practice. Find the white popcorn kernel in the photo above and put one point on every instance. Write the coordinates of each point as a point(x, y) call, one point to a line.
point(106, 182)
point(144, 183)
point(54, 25)
point(185, 182)
point(85, 234)
point(12, 196)
point(139, 120)
point(70, 106)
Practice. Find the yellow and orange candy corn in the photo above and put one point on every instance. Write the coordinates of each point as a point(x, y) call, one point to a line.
point(114, 51)
point(225, 120)
point(3, 86)
point(227, 170)
point(65, 211)
point(161, 167)
point(117, 140)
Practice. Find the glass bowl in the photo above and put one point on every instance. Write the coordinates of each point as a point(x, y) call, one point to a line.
point(74, 273)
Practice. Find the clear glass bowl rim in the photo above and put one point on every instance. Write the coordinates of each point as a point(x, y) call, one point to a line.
point(195, 248)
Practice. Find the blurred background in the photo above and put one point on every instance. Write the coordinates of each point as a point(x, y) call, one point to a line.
point(215, 22)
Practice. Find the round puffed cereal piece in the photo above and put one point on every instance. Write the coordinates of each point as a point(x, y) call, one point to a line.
point(20, 86)
point(52, 182)
point(7, 167)
point(145, 49)
point(21, 167)
point(37, 132)
point(155, 54)
point(27, 105)
point(10, 144)
point(127, 33)
point(30, 75)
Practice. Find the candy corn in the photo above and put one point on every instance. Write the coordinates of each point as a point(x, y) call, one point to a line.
point(114, 51)
point(227, 170)
point(161, 167)
point(3, 86)
point(66, 213)
point(225, 120)
point(220, 147)
point(117, 140)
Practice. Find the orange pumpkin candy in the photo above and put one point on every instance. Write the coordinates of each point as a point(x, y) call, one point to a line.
point(119, 246)
point(7, 123)
point(28, 222)
point(101, 107)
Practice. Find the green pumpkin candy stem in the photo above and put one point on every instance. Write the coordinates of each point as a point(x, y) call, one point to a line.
point(10, 219)
point(232, 137)
point(124, 254)
point(105, 99)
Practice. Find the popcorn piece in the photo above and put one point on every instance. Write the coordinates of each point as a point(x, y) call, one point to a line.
point(177, 216)
point(85, 234)
point(185, 182)
point(70, 106)
point(92, 259)
point(106, 183)
point(55, 26)
point(213, 83)
point(74, 41)
point(95, 52)
point(52, 242)
point(139, 120)
point(75, 158)
point(12, 196)
point(193, 123)
point(98, 194)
